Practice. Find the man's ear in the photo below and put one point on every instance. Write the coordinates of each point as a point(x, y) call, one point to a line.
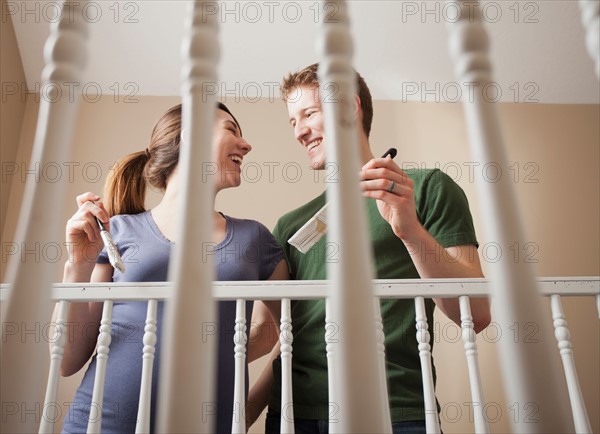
point(358, 113)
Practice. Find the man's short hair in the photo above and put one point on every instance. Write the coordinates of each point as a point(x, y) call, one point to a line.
point(308, 77)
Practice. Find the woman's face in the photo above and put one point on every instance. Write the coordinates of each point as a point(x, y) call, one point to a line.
point(229, 149)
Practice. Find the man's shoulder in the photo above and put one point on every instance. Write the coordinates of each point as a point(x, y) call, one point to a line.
point(423, 174)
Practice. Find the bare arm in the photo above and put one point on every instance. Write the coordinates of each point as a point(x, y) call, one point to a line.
point(83, 319)
point(258, 397)
point(382, 179)
point(265, 319)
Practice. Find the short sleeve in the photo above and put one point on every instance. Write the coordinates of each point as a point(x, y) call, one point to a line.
point(271, 253)
point(443, 209)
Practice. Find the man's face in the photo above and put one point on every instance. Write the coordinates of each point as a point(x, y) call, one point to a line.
point(306, 117)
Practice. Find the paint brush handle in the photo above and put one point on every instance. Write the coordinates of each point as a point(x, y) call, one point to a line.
point(392, 152)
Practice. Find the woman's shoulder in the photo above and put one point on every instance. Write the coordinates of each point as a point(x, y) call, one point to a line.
point(128, 222)
point(248, 224)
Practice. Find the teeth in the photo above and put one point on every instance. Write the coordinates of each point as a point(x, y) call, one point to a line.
point(235, 159)
point(313, 144)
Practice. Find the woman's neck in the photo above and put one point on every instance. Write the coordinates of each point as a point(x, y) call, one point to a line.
point(166, 213)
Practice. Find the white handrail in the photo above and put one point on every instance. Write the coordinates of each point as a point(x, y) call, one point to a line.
point(312, 289)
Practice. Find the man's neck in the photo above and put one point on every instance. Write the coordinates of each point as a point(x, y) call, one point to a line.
point(366, 154)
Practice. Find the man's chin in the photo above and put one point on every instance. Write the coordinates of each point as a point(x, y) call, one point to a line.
point(318, 165)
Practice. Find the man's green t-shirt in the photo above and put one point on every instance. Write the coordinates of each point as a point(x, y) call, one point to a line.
point(443, 210)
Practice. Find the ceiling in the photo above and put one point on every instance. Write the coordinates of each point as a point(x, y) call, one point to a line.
point(538, 50)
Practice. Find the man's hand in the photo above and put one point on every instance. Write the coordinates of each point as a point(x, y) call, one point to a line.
point(382, 179)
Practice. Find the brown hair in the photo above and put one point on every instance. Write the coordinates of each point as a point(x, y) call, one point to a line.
point(125, 188)
point(308, 77)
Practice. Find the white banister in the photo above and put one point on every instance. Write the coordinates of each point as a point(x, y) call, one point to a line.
point(576, 286)
point(432, 423)
point(102, 350)
point(331, 338)
point(56, 356)
point(469, 338)
point(590, 18)
point(359, 397)
point(531, 375)
point(192, 302)
point(239, 383)
point(286, 339)
point(29, 305)
point(563, 338)
point(149, 340)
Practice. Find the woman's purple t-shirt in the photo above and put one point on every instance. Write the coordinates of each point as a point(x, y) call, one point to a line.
point(248, 252)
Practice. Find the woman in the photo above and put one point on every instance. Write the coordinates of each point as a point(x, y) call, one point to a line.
point(144, 239)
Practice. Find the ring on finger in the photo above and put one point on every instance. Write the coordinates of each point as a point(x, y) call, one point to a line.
point(392, 187)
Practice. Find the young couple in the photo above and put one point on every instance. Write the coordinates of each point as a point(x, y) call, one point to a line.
point(405, 208)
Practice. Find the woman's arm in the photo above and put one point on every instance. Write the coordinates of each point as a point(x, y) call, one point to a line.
point(264, 330)
point(258, 397)
point(84, 244)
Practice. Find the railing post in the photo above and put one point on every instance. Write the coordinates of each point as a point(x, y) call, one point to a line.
point(29, 305)
point(286, 339)
point(56, 357)
point(563, 338)
point(356, 377)
point(531, 374)
point(149, 339)
point(240, 339)
point(432, 422)
point(590, 18)
point(470, 346)
point(188, 361)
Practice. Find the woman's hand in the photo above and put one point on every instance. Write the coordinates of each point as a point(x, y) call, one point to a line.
point(84, 242)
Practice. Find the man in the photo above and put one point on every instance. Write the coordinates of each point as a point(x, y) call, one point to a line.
point(420, 226)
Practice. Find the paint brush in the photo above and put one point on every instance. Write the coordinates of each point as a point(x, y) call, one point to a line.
point(314, 229)
point(113, 253)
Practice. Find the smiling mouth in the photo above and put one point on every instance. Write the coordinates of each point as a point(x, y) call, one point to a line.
point(313, 144)
point(236, 159)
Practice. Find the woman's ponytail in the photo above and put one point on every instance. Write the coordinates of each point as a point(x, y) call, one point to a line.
point(125, 187)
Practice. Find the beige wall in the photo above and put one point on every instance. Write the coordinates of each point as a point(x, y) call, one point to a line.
point(554, 147)
point(12, 107)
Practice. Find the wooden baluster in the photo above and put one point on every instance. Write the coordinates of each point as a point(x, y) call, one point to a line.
point(381, 353)
point(563, 337)
point(432, 422)
point(56, 355)
point(356, 377)
point(143, 416)
point(590, 18)
point(530, 372)
point(239, 392)
point(286, 339)
point(102, 350)
point(468, 336)
point(192, 308)
point(28, 305)
point(331, 339)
